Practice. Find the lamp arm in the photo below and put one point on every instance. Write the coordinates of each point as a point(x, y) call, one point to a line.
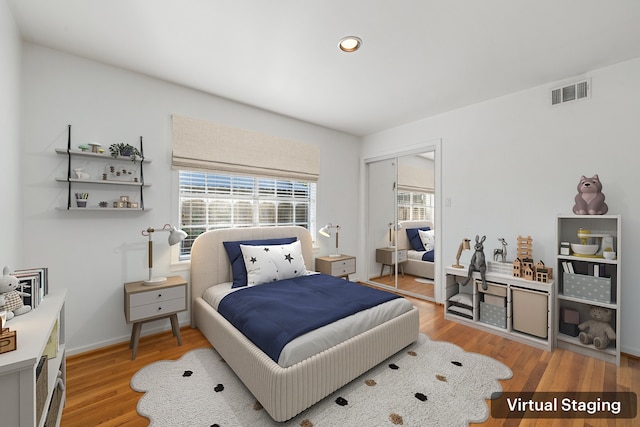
point(459, 254)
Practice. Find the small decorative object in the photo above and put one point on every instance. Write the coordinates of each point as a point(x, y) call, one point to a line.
point(125, 150)
point(83, 148)
point(501, 253)
point(8, 340)
point(10, 297)
point(95, 147)
point(565, 248)
point(134, 205)
point(80, 173)
point(103, 204)
point(464, 245)
point(124, 199)
point(608, 253)
point(597, 330)
point(81, 199)
point(175, 236)
point(590, 199)
point(478, 262)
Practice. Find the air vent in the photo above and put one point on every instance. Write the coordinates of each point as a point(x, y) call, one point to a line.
point(572, 92)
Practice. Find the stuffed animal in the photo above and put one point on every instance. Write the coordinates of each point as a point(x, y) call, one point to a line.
point(478, 262)
point(590, 199)
point(10, 297)
point(597, 329)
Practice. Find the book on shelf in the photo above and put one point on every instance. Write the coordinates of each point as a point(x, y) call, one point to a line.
point(33, 284)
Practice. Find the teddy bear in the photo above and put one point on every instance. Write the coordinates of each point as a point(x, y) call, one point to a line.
point(10, 297)
point(590, 199)
point(597, 329)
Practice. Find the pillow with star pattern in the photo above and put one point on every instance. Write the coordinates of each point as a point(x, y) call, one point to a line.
point(274, 262)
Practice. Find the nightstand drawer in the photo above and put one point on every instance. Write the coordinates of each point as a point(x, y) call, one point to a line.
point(158, 308)
point(157, 296)
point(342, 267)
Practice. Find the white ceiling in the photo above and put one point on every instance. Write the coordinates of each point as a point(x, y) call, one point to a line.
point(419, 57)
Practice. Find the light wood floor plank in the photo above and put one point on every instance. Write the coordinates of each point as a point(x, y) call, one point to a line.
point(98, 392)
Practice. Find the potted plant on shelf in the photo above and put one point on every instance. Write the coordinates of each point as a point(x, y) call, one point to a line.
point(125, 150)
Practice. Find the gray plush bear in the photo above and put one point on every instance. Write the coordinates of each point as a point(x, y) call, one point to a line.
point(597, 329)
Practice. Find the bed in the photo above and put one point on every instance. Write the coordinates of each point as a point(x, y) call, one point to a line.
point(285, 391)
point(415, 264)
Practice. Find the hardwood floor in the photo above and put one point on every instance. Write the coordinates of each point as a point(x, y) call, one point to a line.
point(98, 392)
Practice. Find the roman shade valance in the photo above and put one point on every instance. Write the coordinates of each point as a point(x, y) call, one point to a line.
point(204, 145)
point(412, 178)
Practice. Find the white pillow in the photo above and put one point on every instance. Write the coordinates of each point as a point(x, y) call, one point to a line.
point(462, 298)
point(273, 262)
point(428, 239)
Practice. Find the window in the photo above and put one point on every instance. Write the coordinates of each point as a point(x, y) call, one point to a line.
point(415, 206)
point(211, 200)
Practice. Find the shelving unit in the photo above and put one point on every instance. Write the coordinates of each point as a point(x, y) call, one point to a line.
point(27, 400)
point(73, 157)
point(567, 231)
point(526, 314)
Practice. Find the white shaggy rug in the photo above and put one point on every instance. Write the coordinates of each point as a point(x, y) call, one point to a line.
point(429, 383)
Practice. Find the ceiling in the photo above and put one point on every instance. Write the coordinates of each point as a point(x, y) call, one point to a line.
point(419, 58)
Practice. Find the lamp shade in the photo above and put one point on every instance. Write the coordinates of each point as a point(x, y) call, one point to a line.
point(176, 235)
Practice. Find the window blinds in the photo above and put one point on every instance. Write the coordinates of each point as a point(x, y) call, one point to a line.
point(203, 145)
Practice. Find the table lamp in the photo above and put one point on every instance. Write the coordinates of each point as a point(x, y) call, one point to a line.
point(464, 245)
point(175, 236)
point(326, 232)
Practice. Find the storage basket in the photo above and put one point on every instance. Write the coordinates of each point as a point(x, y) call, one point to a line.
point(42, 386)
point(587, 287)
point(493, 315)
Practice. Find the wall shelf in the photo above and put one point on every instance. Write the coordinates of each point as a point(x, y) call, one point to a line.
point(111, 176)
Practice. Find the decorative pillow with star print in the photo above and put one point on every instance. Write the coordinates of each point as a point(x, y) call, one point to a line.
point(274, 262)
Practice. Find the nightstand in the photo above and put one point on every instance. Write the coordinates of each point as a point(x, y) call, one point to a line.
point(387, 256)
point(144, 303)
point(339, 266)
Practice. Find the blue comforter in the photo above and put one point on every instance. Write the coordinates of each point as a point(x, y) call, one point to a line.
point(428, 256)
point(273, 314)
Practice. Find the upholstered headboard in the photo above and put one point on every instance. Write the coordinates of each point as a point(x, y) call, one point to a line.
point(403, 240)
point(210, 264)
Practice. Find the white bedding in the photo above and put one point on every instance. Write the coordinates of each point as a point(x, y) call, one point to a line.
point(326, 337)
point(415, 255)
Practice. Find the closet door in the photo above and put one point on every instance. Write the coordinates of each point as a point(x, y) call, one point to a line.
point(382, 218)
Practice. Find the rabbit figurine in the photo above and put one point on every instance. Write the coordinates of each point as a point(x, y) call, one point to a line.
point(478, 262)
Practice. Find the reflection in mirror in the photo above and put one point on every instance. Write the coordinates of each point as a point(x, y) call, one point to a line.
point(402, 205)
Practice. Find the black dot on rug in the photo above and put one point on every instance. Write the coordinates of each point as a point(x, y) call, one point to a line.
point(421, 397)
point(394, 366)
point(342, 401)
point(218, 388)
point(456, 363)
point(187, 373)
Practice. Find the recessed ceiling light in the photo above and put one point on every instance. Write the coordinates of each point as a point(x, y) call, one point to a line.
point(350, 44)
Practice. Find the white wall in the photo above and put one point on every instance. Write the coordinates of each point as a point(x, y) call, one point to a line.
point(10, 213)
point(510, 165)
point(94, 253)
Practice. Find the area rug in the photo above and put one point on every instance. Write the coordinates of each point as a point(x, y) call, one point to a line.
point(429, 383)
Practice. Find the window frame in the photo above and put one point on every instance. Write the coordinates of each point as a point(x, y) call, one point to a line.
point(256, 199)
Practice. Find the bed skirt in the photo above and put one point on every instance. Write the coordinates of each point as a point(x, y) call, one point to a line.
point(285, 392)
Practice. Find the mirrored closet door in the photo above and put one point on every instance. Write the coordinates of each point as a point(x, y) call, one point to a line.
point(400, 223)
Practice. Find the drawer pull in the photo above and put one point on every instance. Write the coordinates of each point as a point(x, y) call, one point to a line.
point(159, 308)
point(159, 295)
